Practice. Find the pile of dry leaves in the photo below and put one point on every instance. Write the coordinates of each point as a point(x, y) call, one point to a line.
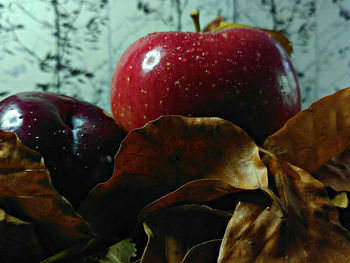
point(193, 190)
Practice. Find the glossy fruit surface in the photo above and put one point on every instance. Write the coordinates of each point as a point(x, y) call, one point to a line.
point(78, 140)
point(242, 75)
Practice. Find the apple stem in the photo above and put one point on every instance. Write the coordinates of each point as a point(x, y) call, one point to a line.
point(195, 18)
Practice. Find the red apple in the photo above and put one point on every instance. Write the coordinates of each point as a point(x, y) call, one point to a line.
point(242, 75)
point(78, 140)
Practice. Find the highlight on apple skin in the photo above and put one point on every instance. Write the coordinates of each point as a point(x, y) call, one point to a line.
point(77, 139)
point(242, 75)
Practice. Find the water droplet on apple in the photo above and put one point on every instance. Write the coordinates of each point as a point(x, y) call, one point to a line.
point(190, 50)
point(183, 59)
point(29, 133)
point(36, 137)
point(208, 72)
point(198, 43)
point(205, 53)
point(220, 53)
point(35, 119)
point(179, 48)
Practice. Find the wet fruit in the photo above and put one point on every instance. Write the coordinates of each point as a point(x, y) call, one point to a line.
point(78, 140)
point(241, 74)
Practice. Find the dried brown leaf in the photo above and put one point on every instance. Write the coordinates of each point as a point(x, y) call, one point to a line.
point(172, 232)
point(315, 135)
point(26, 193)
point(307, 229)
point(199, 191)
point(18, 241)
point(336, 172)
point(164, 155)
point(206, 252)
point(213, 25)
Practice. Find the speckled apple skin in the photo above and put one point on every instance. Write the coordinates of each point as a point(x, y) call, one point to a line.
point(78, 140)
point(242, 75)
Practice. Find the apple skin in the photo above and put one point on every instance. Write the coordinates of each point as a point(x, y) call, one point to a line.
point(242, 75)
point(78, 140)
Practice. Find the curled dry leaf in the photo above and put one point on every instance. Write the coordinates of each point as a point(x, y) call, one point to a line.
point(336, 172)
point(214, 25)
point(315, 135)
point(172, 232)
point(219, 24)
point(306, 230)
point(164, 155)
point(26, 193)
point(206, 252)
point(199, 191)
point(317, 139)
point(18, 241)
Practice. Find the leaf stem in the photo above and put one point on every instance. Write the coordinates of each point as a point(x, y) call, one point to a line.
point(195, 18)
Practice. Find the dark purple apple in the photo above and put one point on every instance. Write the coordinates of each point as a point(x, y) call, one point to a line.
point(78, 140)
point(241, 74)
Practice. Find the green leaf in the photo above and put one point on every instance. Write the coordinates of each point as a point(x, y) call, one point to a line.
point(121, 252)
point(76, 249)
